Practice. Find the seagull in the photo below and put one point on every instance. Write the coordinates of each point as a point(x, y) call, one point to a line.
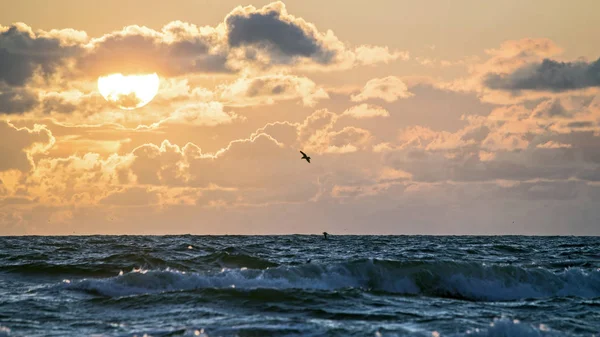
point(304, 156)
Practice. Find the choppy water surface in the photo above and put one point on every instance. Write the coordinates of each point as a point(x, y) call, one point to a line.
point(265, 286)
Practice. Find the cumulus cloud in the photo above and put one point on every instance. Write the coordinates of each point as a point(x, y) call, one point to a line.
point(23, 53)
point(283, 35)
point(349, 139)
point(389, 89)
point(549, 75)
point(272, 36)
point(77, 180)
point(318, 133)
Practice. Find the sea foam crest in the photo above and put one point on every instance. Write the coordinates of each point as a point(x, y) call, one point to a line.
point(471, 281)
point(4, 331)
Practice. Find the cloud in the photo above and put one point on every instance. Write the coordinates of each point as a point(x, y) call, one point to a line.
point(15, 100)
point(283, 132)
point(318, 133)
point(164, 164)
point(555, 139)
point(268, 89)
point(389, 89)
point(269, 163)
point(270, 36)
point(513, 54)
point(349, 139)
point(53, 103)
point(18, 145)
point(366, 111)
point(549, 75)
point(134, 196)
point(178, 48)
point(77, 180)
point(23, 53)
point(508, 58)
point(202, 114)
point(553, 145)
point(283, 35)
point(369, 55)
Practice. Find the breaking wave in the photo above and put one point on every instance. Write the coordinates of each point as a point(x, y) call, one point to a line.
point(469, 281)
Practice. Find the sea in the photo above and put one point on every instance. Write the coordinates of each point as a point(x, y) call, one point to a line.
point(299, 285)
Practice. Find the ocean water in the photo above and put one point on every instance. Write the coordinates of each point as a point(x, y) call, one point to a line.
point(266, 286)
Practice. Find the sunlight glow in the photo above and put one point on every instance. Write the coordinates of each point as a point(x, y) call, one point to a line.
point(130, 91)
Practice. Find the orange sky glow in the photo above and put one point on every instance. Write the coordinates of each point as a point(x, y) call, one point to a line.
point(435, 117)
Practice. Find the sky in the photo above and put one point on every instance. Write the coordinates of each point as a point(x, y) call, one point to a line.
point(429, 117)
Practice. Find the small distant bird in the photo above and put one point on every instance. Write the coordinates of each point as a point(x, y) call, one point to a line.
point(304, 156)
point(325, 235)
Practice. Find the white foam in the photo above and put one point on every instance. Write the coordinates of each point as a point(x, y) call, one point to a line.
point(4, 331)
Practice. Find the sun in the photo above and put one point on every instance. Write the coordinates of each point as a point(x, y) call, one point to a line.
point(130, 91)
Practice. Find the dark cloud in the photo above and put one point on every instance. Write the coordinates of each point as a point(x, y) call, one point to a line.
point(15, 100)
point(281, 35)
point(580, 124)
point(57, 104)
point(22, 54)
point(261, 86)
point(549, 75)
point(477, 134)
point(585, 146)
point(550, 109)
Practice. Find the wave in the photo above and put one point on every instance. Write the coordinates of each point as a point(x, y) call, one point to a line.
point(227, 260)
point(112, 264)
point(510, 248)
point(469, 281)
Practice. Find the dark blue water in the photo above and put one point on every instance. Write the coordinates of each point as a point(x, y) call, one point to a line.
point(264, 286)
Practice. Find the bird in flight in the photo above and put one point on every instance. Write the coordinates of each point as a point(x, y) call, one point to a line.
point(304, 156)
